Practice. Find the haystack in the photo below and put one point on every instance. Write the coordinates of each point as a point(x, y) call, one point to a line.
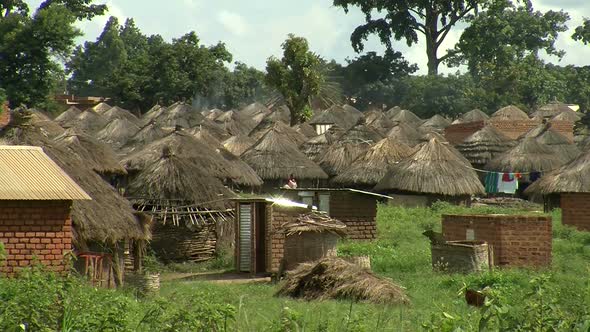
point(371, 166)
point(101, 107)
point(288, 132)
point(433, 169)
point(405, 116)
point(275, 157)
point(235, 123)
point(573, 177)
point(117, 132)
point(484, 145)
point(237, 145)
point(528, 156)
point(68, 114)
point(406, 134)
point(180, 115)
point(338, 157)
point(474, 115)
point(306, 130)
point(336, 279)
point(510, 112)
point(560, 144)
point(88, 121)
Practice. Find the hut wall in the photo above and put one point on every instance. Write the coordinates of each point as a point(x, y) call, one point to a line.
point(308, 246)
point(457, 133)
point(513, 129)
point(275, 238)
point(357, 211)
point(35, 231)
point(575, 210)
point(516, 240)
point(4, 115)
point(566, 128)
point(181, 243)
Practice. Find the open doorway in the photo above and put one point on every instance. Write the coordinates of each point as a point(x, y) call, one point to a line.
point(260, 227)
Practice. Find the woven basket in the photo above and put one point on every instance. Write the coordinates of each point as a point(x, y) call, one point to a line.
point(145, 283)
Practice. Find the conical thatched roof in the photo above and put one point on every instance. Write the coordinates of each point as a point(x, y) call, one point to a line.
point(235, 123)
point(340, 155)
point(254, 109)
point(281, 128)
point(88, 121)
point(68, 114)
point(378, 119)
point(117, 132)
point(147, 134)
point(560, 144)
point(48, 127)
point(474, 115)
point(314, 147)
point(345, 118)
point(117, 112)
point(361, 133)
point(528, 156)
point(238, 144)
point(216, 129)
point(484, 145)
point(108, 217)
point(153, 113)
point(393, 112)
point(510, 112)
point(535, 132)
point(569, 116)
point(371, 166)
point(573, 177)
point(405, 116)
point(95, 154)
point(551, 110)
point(406, 134)
point(174, 177)
point(276, 157)
point(213, 114)
point(279, 114)
point(436, 121)
point(306, 130)
point(101, 107)
point(182, 115)
point(433, 169)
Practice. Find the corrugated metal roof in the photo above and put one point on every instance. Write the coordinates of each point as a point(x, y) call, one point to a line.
point(27, 173)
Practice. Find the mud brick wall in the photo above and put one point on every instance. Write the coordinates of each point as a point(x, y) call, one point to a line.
point(575, 210)
point(514, 128)
point(35, 231)
point(566, 128)
point(275, 238)
point(457, 133)
point(357, 211)
point(515, 240)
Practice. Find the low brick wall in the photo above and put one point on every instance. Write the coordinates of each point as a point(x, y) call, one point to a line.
point(357, 211)
point(35, 231)
point(575, 210)
point(515, 240)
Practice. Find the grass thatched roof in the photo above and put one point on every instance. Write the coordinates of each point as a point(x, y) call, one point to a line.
point(314, 147)
point(237, 145)
point(510, 112)
point(436, 121)
point(315, 222)
point(560, 144)
point(94, 153)
point(474, 115)
point(108, 217)
point(180, 114)
point(528, 156)
point(174, 177)
point(68, 114)
point(48, 127)
point(405, 116)
point(344, 118)
point(361, 133)
point(338, 157)
point(88, 121)
point(279, 114)
point(334, 278)
point(152, 113)
point(573, 177)
point(254, 109)
point(371, 166)
point(405, 133)
point(147, 134)
point(117, 132)
point(101, 107)
point(306, 130)
point(569, 116)
point(213, 114)
point(276, 157)
point(434, 169)
point(117, 112)
point(552, 109)
point(393, 112)
point(284, 129)
point(235, 123)
point(377, 118)
point(484, 145)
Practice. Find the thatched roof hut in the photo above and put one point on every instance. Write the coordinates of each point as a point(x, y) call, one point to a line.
point(235, 123)
point(254, 109)
point(213, 114)
point(552, 109)
point(182, 115)
point(433, 169)
point(68, 114)
point(88, 121)
point(266, 125)
point(437, 122)
point(275, 157)
point(371, 166)
point(569, 116)
point(152, 113)
point(361, 133)
point(474, 115)
point(573, 177)
point(338, 157)
point(237, 145)
point(510, 112)
point(406, 134)
point(117, 112)
point(108, 217)
point(48, 127)
point(101, 107)
point(314, 147)
point(97, 155)
point(405, 116)
point(306, 130)
point(336, 115)
point(528, 156)
point(147, 134)
point(393, 112)
point(279, 114)
point(484, 145)
point(560, 144)
point(117, 132)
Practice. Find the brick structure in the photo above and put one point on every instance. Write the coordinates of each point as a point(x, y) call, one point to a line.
point(457, 133)
point(275, 238)
point(575, 210)
point(516, 240)
point(566, 128)
point(513, 129)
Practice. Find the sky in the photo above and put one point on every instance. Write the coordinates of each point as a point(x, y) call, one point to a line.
point(253, 30)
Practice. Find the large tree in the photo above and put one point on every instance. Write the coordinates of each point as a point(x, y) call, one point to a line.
point(407, 19)
point(298, 76)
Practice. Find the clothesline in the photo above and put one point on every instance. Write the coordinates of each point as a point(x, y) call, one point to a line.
point(522, 173)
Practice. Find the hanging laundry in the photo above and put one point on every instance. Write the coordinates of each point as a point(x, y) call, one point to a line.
point(508, 183)
point(534, 176)
point(491, 182)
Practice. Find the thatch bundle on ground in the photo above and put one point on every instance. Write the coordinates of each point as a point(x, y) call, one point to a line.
point(371, 166)
point(484, 145)
point(275, 157)
point(88, 121)
point(405, 133)
point(338, 157)
point(474, 115)
point(235, 123)
point(573, 177)
point(405, 116)
point(560, 144)
point(434, 169)
point(306, 130)
point(288, 132)
point(68, 114)
point(510, 112)
point(238, 144)
point(117, 132)
point(180, 115)
point(528, 156)
point(336, 279)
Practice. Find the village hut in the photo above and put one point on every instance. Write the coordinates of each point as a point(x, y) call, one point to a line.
point(474, 115)
point(235, 123)
point(484, 145)
point(254, 109)
point(306, 130)
point(101, 107)
point(275, 158)
point(279, 126)
point(361, 133)
point(435, 171)
point(88, 121)
point(371, 166)
point(435, 123)
point(393, 112)
point(180, 115)
point(407, 117)
point(338, 157)
point(433, 134)
point(528, 156)
point(510, 112)
point(213, 114)
point(237, 145)
point(309, 237)
point(377, 119)
point(560, 144)
point(48, 127)
point(314, 147)
point(553, 109)
point(569, 116)
point(147, 134)
point(405, 133)
point(68, 115)
point(152, 113)
point(322, 121)
point(117, 112)
point(281, 114)
point(117, 132)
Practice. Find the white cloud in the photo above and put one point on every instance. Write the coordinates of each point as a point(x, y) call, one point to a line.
point(234, 23)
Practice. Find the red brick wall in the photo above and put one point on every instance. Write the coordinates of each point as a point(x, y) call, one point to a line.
point(275, 241)
point(357, 211)
point(575, 210)
point(566, 128)
point(30, 230)
point(514, 128)
point(457, 133)
point(516, 240)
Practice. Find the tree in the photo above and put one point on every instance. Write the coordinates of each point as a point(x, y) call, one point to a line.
point(406, 19)
point(582, 32)
point(298, 76)
point(243, 86)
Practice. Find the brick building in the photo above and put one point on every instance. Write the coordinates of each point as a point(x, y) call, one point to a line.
point(36, 198)
point(575, 210)
point(516, 240)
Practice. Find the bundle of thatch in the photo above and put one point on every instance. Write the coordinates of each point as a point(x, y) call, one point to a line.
point(510, 112)
point(560, 144)
point(93, 153)
point(180, 115)
point(117, 132)
point(275, 157)
point(306, 130)
point(288, 132)
point(361, 133)
point(237, 145)
point(528, 156)
point(371, 166)
point(474, 115)
point(117, 112)
point(235, 123)
point(88, 121)
point(68, 114)
point(338, 157)
point(108, 217)
point(484, 145)
point(405, 116)
point(405, 133)
point(436, 122)
point(434, 169)
point(101, 107)
point(573, 177)
point(315, 222)
point(334, 278)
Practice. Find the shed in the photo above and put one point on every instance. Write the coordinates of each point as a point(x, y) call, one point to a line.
point(36, 198)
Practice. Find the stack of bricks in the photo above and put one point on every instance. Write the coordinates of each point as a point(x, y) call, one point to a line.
point(457, 133)
point(357, 211)
point(575, 210)
point(35, 232)
point(515, 240)
point(514, 129)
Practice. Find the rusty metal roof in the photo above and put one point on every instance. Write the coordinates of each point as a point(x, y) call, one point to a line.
point(27, 173)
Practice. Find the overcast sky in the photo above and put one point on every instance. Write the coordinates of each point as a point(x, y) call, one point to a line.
point(254, 30)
